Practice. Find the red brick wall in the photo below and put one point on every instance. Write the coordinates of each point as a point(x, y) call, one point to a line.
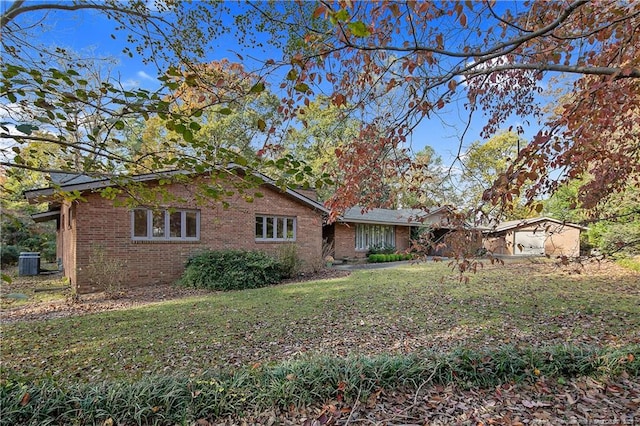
point(403, 238)
point(100, 224)
point(345, 240)
point(497, 245)
point(563, 241)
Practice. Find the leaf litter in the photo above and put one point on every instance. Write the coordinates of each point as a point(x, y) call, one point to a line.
point(344, 328)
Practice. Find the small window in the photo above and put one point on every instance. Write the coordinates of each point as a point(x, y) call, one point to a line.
point(259, 227)
point(175, 225)
point(275, 228)
point(70, 216)
point(158, 224)
point(172, 224)
point(140, 223)
point(192, 220)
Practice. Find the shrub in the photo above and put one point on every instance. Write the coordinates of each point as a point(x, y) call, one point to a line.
point(378, 258)
point(621, 239)
point(290, 262)
point(9, 255)
point(231, 270)
point(48, 251)
point(105, 271)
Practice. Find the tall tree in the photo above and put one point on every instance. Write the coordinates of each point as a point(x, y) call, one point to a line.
point(322, 129)
point(235, 117)
point(45, 86)
point(483, 164)
point(489, 58)
point(493, 57)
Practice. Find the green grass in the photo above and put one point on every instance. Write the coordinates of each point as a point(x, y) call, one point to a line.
point(395, 311)
point(632, 263)
point(20, 291)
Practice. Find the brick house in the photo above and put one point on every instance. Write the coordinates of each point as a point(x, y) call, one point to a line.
point(356, 230)
point(150, 246)
point(534, 237)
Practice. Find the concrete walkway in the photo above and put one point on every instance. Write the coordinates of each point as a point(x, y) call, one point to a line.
point(383, 265)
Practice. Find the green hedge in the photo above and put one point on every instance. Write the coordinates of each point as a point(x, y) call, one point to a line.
point(231, 270)
point(379, 258)
point(164, 400)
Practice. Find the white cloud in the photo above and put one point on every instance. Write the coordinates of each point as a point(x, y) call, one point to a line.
point(138, 81)
point(504, 79)
point(130, 83)
point(143, 75)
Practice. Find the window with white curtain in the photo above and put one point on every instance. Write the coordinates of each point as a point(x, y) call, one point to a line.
point(373, 235)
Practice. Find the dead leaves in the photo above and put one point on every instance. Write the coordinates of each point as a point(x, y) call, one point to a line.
point(579, 401)
point(25, 399)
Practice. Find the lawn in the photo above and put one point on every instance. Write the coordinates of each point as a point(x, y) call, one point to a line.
point(32, 289)
point(390, 311)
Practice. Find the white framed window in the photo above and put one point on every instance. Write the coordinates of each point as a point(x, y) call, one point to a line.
point(374, 235)
point(165, 224)
point(275, 228)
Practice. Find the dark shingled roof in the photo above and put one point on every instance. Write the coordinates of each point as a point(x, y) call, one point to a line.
point(406, 217)
point(70, 178)
point(79, 182)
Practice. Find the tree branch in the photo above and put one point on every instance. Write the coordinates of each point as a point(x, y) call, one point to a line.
point(96, 151)
point(571, 69)
point(17, 9)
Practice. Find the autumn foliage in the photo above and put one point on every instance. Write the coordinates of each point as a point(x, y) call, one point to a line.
point(496, 59)
point(565, 74)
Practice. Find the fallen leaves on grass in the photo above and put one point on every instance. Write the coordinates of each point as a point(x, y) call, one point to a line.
point(546, 402)
point(132, 297)
point(395, 311)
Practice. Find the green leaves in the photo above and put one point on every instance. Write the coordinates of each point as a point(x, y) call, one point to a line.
point(359, 29)
point(27, 129)
point(292, 75)
point(257, 88)
point(340, 16)
point(301, 87)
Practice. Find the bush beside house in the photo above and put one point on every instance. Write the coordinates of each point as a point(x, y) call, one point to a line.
point(394, 257)
point(231, 270)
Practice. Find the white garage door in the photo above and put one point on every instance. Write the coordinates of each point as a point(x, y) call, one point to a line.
point(529, 242)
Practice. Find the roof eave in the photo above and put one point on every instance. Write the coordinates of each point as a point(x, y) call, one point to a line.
point(41, 195)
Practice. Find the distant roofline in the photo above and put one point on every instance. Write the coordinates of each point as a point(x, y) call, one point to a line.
point(520, 223)
point(405, 217)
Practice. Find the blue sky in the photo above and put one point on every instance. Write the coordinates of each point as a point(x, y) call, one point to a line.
point(89, 32)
